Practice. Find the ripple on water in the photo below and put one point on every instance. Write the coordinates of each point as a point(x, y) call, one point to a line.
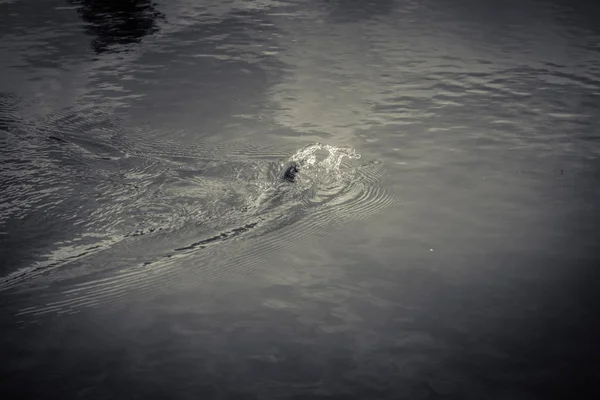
point(241, 219)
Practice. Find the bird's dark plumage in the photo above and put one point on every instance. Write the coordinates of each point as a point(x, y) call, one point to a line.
point(290, 172)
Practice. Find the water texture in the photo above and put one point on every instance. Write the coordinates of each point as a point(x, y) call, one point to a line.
point(440, 240)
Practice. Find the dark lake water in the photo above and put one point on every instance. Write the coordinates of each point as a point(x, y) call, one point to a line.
point(440, 240)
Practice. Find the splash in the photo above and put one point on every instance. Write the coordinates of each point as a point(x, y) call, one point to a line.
point(308, 156)
point(321, 177)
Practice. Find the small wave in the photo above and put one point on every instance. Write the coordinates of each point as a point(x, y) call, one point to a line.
point(266, 216)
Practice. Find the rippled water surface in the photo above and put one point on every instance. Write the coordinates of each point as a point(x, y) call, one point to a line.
point(439, 241)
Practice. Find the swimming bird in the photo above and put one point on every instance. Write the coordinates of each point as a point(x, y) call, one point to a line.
point(290, 172)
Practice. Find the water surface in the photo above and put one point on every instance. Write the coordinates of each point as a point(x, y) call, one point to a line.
point(440, 240)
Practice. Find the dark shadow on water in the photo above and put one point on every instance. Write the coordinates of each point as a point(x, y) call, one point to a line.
point(114, 23)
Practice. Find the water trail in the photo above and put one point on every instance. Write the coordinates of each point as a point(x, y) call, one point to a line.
point(232, 239)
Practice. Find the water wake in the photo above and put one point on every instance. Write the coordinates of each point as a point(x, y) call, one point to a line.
point(250, 216)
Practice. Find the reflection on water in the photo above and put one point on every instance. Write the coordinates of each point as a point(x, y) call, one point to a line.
point(118, 22)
